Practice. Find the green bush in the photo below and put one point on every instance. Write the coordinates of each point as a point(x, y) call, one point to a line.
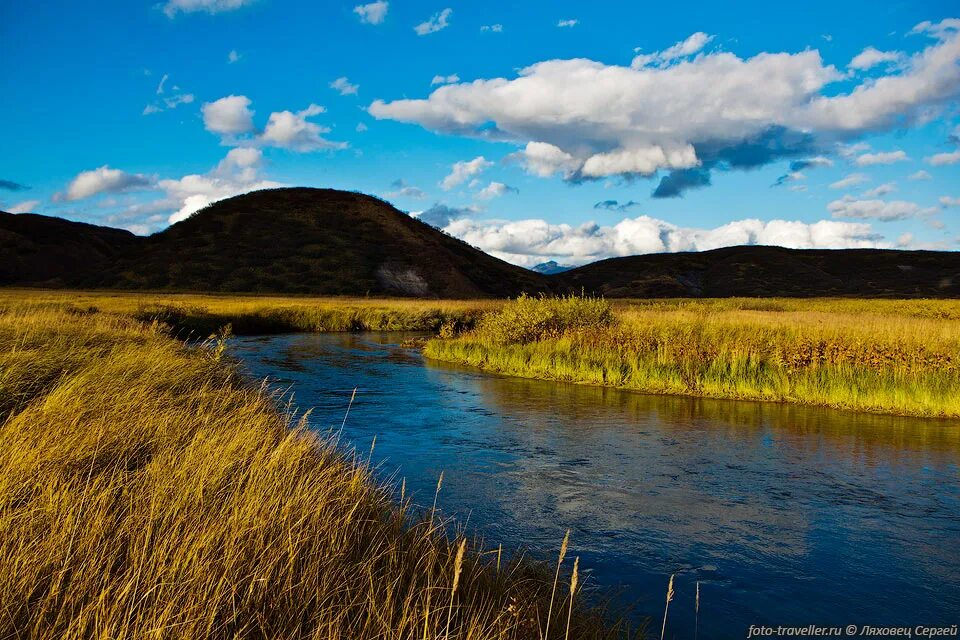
point(529, 319)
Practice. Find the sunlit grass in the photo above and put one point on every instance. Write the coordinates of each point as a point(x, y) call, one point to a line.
point(880, 356)
point(148, 491)
point(203, 314)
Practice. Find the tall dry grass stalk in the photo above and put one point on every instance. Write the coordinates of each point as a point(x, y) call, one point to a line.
point(696, 614)
point(556, 579)
point(436, 494)
point(148, 490)
point(573, 592)
point(663, 629)
point(457, 568)
point(346, 413)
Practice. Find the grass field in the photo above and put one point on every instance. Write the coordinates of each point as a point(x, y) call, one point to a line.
point(883, 356)
point(203, 314)
point(147, 491)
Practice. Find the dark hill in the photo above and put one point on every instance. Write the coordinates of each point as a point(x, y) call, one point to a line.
point(44, 251)
point(753, 271)
point(316, 241)
point(323, 241)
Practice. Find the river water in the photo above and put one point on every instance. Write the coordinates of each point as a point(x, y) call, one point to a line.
point(786, 515)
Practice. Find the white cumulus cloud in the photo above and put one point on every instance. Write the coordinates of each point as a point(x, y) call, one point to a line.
point(850, 180)
point(229, 116)
point(373, 13)
point(171, 101)
point(173, 7)
point(236, 174)
point(714, 111)
point(532, 241)
point(568, 23)
point(103, 180)
point(693, 44)
point(27, 206)
point(920, 175)
point(871, 57)
point(461, 171)
point(544, 160)
point(946, 201)
point(886, 157)
point(881, 190)
point(450, 79)
point(344, 86)
point(875, 209)
point(291, 130)
point(232, 118)
point(403, 190)
point(940, 159)
point(495, 190)
point(436, 23)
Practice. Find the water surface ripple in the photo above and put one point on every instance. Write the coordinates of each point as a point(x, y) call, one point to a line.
point(787, 515)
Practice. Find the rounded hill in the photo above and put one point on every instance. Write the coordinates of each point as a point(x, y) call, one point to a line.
point(319, 241)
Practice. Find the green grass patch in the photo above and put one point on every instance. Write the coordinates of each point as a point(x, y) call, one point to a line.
point(875, 356)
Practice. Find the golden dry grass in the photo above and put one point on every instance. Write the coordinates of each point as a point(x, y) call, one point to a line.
point(884, 356)
point(147, 491)
point(202, 314)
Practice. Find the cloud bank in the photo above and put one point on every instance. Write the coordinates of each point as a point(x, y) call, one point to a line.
point(685, 111)
point(530, 242)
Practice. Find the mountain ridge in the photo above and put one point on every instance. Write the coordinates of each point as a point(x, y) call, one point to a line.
point(329, 242)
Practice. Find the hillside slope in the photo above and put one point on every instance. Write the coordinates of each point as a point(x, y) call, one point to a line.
point(758, 271)
point(299, 240)
point(329, 242)
point(45, 251)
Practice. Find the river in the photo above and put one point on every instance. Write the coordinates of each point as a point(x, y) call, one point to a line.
point(786, 515)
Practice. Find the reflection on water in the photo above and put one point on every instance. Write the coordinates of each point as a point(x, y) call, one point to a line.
point(786, 515)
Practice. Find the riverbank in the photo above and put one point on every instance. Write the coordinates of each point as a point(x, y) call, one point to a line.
point(894, 357)
point(147, 489)
point(199, 315)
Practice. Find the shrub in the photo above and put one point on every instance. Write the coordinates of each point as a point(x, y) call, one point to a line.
point(528, 319)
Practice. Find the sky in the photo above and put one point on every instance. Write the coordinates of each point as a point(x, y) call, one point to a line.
point(564, 131)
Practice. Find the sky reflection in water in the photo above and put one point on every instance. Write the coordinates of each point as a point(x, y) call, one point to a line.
point(786, 514)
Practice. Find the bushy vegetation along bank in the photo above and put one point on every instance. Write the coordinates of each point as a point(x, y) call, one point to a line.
point(895, 357)
point(146, 491)
point(203, 314)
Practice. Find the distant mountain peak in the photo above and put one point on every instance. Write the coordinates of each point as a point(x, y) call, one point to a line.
point(550, 267)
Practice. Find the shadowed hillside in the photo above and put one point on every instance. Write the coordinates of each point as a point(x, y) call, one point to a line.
point(318, 241)
point(752, 271)
point(324, 241)
point(45, 251)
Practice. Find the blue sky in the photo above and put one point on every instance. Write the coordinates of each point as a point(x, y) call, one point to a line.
point(583, 130)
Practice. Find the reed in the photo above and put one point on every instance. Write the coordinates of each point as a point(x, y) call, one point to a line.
point(148, 490)
point(457, 568)
point(574, 577)
point(696, 614)
point(666, 608)
point(556, 579)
